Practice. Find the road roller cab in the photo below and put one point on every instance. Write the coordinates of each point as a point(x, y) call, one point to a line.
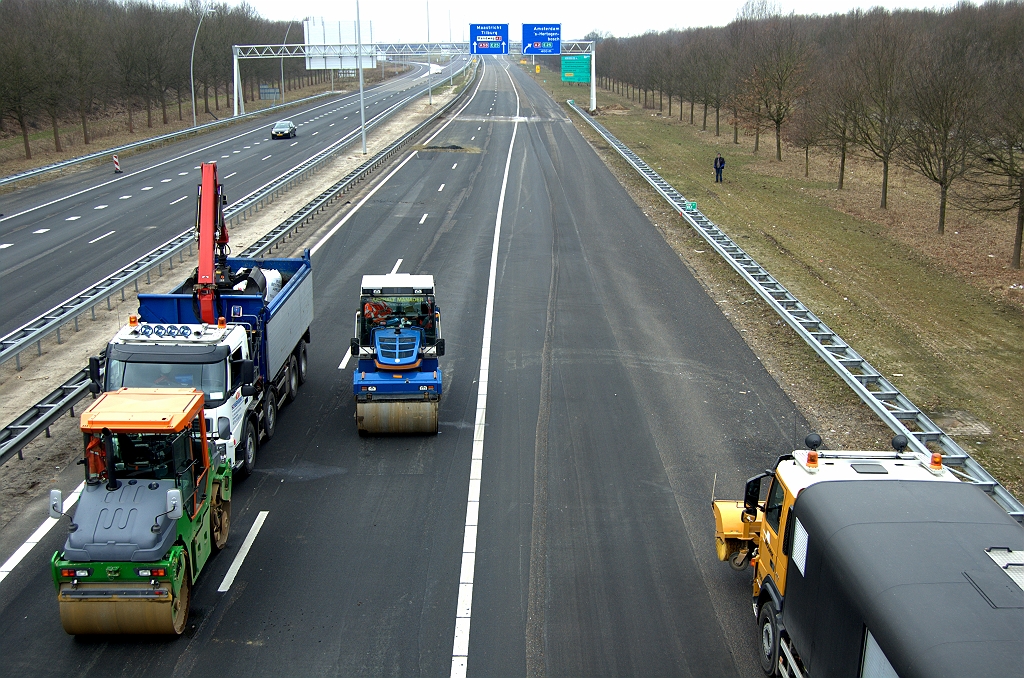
point(397, 384)
point(155, 506)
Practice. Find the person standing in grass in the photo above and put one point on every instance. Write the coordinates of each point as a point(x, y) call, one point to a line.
point(719, 166)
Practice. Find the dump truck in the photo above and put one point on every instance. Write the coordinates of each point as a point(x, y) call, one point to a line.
point(872, 564)
point(237, 329)
point(156, 505)
point(397, 383)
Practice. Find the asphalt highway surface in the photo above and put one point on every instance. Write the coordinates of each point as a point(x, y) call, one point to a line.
point(62, 236)
point(560, 522)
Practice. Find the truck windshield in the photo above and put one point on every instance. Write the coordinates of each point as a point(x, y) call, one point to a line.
point(398, 311)
point(149, 456)
point(211, 378)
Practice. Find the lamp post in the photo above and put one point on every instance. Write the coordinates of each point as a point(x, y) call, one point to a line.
point(192, 61)
point(284, 42)
point(430, 93)
point(359, 56)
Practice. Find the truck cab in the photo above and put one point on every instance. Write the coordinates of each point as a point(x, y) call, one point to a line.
point(215, 360)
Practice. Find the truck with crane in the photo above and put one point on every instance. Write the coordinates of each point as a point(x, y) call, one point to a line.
point(397, 384)
point(155, 507)
point(877, 564)
point(237, 329)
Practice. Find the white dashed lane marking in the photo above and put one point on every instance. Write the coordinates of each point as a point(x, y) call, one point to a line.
point(102, 237)
point(164, 181)
point(441, 188)
point(41, 230)
point(455, 165)
point(5, 245)
point(292, 144)
point(182, 174)
point(423, 218)
point(267, 157)
point(72, 218)
point(175, 202)
point(101, 207)
point(124, 197)
point(231, 175)
point(147, 188)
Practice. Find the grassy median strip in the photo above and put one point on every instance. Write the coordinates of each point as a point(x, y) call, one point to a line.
point(952, 346)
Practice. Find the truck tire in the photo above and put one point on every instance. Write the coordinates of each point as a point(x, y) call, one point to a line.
point(250, 444)
point(269, 413)
point(768, 626)
point(292, 379)
point(303, 363)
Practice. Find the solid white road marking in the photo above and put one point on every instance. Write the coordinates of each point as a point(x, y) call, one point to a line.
point(38, 535)
point(72, 218)
point(463, 611)
point(236, 564)
point(175, 202)
point(41, 230)
point(441, 188)
point(102, 237)
point(344, 361)
point(231, 175)
point(397, 264)
point(423, 218)
point(100, 207)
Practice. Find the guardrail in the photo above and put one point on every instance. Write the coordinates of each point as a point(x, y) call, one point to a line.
point(107, 152)
point(73, 308)
point(15, 436)
point(892, 406)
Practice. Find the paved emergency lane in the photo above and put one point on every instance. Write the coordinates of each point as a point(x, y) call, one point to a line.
point(617, 391)
point(60, 236)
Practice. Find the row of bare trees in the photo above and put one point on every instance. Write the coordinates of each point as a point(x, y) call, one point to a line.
point(75, 58)
point(939, 92)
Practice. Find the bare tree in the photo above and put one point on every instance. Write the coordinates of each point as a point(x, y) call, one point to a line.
point(20, 83)
point(777, 81)
point(879, 64)
point(945, 104)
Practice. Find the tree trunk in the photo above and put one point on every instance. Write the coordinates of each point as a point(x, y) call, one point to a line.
point(757, 139)
point(670, 105)
point(691, 112)
point(661, 102)
point(85, 124)
point(24, 137)
point(1020, 227)
point(885, 183)
point(717, 116)
point(842, 161)
point(943, 191)
point(216, 97)
point(807, 160)
point(163, 105)
point(178, 91)
point(149, 112)
point(206, 98)
point(131, 120)
point(735, 126)
point(778, 142)
point(56, 132)
point(704, 125)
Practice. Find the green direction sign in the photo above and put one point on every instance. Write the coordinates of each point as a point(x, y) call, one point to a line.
point(576, 68)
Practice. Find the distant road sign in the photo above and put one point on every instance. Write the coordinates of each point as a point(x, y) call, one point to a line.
point(576, 68)
point(488, 38)
point(542, 38)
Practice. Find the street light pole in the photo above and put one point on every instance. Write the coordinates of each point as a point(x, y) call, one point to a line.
point(359, 56)
point(430, 92)
point(192, 61)
point(283, 42)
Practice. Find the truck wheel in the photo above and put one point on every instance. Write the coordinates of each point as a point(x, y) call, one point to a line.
point(179, 608)
point(250, 444)
point(220, 520)
point(293, 379)
point(303, 363)
point(269, 413)
point(768, 624)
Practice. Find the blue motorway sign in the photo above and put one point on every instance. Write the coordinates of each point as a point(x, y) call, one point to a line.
point(488, 38)
point(542, 38)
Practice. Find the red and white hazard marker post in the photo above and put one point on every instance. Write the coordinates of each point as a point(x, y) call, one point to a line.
point(117, 166)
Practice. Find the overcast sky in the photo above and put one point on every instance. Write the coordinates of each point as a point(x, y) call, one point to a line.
point(406, 20)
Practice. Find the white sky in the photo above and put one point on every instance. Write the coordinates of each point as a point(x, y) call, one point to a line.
point(406, 20)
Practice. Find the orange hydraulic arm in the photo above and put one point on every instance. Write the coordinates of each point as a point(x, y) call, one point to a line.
point(212, 236)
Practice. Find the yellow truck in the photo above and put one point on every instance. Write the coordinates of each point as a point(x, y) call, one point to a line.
point(877, 564)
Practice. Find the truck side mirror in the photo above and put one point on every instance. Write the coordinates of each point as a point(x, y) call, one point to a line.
point(440, 347)
point(248, 391)
point(174, 506)
point(56, 504)
point(354, 347)
point(752, 495)
point(94, 375)
point(247, 372)
point(223, 428)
